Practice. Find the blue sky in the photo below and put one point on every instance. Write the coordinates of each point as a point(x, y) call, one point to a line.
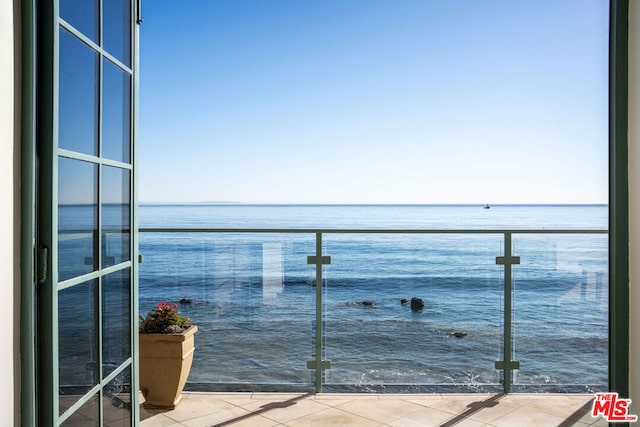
point(374, 101)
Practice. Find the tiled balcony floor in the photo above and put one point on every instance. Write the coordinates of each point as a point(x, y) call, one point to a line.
point(337, 410)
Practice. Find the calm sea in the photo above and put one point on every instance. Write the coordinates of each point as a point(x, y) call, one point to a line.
point(252, 295)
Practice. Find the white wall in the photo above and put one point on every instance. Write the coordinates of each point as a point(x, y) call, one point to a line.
point(634, 204)
point(8, 275)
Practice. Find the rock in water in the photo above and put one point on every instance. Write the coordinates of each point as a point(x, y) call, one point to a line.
point(417, 304)
point(459, 334)
point(365, 303)
point(404, 301)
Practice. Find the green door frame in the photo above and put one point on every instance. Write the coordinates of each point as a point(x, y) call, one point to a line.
point(618, 198)
point(39, 62)
point(31, 128)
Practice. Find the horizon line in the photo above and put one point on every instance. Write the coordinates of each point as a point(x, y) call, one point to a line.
point(366, 204)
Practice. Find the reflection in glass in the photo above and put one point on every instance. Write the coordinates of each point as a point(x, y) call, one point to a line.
point(87, 416)
point(77, 342)
point(116, 224)
point(116, 320)
point(78, 117)
point(117, 401)
point(116, 113)
point(240, 279)
point(77, 218)
point(117, 29)
point(561, 311)
point(83, 15)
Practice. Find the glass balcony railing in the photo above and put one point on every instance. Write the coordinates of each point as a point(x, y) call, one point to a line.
point(504, 310)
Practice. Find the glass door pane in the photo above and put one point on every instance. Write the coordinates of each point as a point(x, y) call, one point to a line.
point(83, 15)
point(78, 95)
point(116, 323)
point(77, 218)
point(116, 113)
point(116, 216)
point(77, 344)
point(86, 352)
point(117, 29)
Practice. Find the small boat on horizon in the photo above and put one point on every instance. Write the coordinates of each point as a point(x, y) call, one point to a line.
point(487, 206)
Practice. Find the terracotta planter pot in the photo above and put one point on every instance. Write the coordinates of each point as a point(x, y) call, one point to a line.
point(165, 362)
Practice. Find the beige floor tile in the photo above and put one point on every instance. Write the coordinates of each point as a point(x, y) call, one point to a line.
point(599, 421)
point(332, 417)
point(528, 417)
point(335, 399)
point(333, 402)
point(380, 410)
point(468, 423)
point(194, 408)
point(584, 397)
point(562, 407)
point(158, 420)
point(253, 421)
point(518, 399)
point(459, 403)
point(424, 417)
point(251, 403)
point(539, 397)
point(488, 411)
point(220, 418)
point(283, 411)
point(300, 409)
point(240, 401)
point(426, 402)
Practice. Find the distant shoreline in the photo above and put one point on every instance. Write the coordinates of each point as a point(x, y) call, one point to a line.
point(239, 204)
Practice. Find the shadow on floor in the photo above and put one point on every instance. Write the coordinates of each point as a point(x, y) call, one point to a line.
point(264, 408)
point(577, 415)
point(473, 408)
point(494, 400)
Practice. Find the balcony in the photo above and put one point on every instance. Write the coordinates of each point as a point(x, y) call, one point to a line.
point(518, 310)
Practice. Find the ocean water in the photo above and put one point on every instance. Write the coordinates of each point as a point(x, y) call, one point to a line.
point(253, 295)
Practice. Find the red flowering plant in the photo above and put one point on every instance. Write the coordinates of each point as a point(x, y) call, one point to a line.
point(164, 319)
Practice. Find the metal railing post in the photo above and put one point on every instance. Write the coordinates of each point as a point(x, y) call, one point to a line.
point(507, 365)
point(318, 364)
